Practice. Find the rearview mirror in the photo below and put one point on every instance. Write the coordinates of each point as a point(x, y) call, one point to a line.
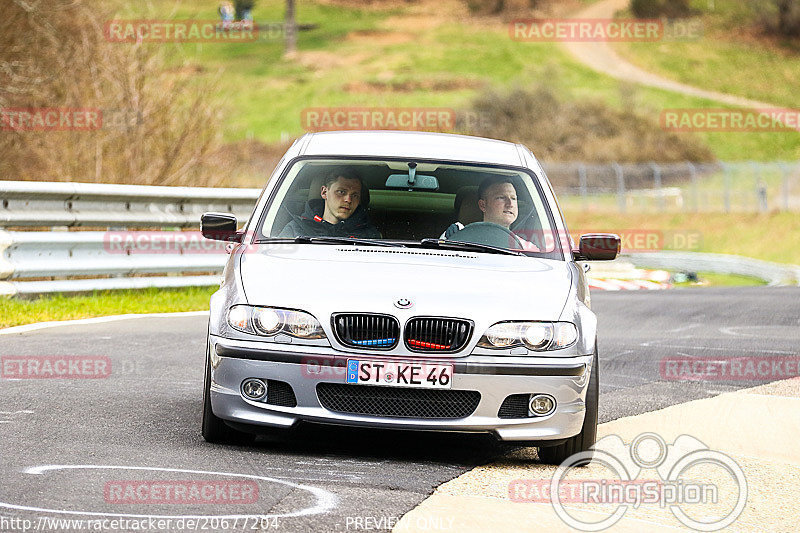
point(219, 227)
point(597, 247)
point(420, 182)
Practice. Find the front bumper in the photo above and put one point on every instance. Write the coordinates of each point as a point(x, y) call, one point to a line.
point(565, 379)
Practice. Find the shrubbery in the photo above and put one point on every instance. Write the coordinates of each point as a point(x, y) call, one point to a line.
point(780, 17)
point(54, 55)
point(588, 131)
point(496, 7)
point(660, 8)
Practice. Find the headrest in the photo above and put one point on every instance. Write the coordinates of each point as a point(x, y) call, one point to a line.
point(466, 205)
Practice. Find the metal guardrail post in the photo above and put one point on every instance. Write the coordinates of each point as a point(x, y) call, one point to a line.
point(657, 186)
point(620, 186)
point(785, 184)
point(726, 180)
point(761, 187)
point(582, 182)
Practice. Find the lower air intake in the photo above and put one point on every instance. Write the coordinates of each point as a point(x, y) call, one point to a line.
point(397, 402)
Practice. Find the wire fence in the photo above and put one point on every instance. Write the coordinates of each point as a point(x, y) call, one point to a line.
point(741, 187)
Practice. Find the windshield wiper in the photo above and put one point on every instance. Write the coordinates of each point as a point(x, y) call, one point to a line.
point(304, 239)
point(461, 245)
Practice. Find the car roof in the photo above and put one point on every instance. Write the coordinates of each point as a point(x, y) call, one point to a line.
point(412, 145)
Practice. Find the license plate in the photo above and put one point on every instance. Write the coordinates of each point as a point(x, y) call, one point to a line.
point(399, 374)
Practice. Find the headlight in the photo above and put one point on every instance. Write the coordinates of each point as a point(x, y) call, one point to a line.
point(537, 336)
point(266, 321)
point(269, 321)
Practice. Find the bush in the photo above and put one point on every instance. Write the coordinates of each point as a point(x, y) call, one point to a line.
point(588, 131)
point(496, 7)
point(660, 8)
point(158, 123)
point(780, 17)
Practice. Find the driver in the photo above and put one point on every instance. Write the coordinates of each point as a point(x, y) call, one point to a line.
point(338, 214)
point(497, 199)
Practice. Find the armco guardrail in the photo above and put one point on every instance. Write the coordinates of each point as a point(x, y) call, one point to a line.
point(39, 254)
point(26, 255)
point(35, 203)
point(772, 273)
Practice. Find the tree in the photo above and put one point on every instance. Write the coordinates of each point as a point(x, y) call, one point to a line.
point(788, 17)
point(290, 28)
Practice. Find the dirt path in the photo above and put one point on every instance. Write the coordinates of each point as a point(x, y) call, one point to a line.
point(602, 58)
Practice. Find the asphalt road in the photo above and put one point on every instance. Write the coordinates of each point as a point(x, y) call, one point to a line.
point(143, 419)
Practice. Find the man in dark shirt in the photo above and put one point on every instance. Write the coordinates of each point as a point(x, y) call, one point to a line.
point(338, 214)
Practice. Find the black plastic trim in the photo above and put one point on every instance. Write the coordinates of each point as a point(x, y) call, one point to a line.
point(514, 369)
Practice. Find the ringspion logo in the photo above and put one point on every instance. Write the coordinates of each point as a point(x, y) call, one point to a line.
point(704, 489)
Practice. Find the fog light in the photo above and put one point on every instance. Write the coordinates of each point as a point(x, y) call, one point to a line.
point(541, 405)
point(254, 389)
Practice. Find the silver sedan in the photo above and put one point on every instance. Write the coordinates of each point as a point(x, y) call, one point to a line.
point(410, 281)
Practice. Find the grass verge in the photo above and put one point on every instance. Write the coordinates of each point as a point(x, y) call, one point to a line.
point(769, 236)
point(712, 279)
point(403, 56)
point(731, 56)
point(15, 312)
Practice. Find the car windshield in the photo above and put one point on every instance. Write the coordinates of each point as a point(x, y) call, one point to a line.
point(411, 203)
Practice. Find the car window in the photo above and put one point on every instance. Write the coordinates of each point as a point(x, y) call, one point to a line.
point(362, 202)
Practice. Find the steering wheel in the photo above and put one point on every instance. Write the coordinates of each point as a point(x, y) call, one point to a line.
point(488, 233)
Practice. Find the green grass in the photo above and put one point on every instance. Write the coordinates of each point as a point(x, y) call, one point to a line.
point(264, 93)
point(711, 279)
point(728, 58)
point(770, 236)
point(14, 312)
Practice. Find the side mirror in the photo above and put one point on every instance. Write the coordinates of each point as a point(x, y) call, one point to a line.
point(597, 247)
point(219, 227)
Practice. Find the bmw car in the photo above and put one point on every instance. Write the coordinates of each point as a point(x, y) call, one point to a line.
point(405, 280)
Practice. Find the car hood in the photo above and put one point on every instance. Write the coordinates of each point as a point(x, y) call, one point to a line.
point(324, 279)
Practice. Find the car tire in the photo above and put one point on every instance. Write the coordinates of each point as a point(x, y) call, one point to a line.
point(582, 442)
point(214, 429)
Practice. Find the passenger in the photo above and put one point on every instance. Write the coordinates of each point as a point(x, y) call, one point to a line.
point(338, 214)
point(497, 199)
